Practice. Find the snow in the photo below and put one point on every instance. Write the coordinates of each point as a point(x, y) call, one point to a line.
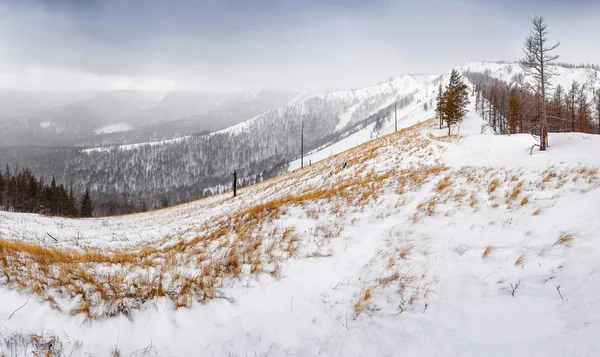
point(465, 303)
point(560, 75)
point(154, 103)
point(113, 128)
point(134, 146)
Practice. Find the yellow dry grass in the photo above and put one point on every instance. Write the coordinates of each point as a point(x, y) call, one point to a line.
point(565, 239)
point(185, 269)
point(487, 251)
point(520, 260)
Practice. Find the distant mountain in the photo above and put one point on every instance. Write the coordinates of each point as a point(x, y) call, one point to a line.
point(116, 117)
point(17, 103)
point(151, 123)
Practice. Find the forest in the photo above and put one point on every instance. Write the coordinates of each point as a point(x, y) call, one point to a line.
point(511, 108)
point(21, 191)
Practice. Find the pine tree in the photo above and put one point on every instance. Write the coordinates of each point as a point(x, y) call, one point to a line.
point(572, 102)
point(439, 106)
point(455, 101)
point(72, 210)
point(86, 204)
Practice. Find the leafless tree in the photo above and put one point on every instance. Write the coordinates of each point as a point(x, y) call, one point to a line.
point(535, 64)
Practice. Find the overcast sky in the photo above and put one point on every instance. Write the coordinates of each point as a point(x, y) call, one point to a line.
point(228, 45)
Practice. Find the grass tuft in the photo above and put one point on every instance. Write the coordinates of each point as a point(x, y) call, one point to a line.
point(520, 260)
point(487, 251)
point(565, 239)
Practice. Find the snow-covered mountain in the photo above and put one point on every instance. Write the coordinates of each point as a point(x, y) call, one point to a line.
point(130, 116)
point(18, 103)
point(258, 148)
point(201, 164)
point(413, 243)
point(513, 73)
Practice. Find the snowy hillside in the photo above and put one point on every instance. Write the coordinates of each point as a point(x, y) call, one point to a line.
point(350, 106)
point(411, 114)
point(413, 243)
point(133, 116)
point(513, 73)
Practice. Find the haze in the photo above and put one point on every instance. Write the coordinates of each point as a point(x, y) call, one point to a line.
point(231, 45)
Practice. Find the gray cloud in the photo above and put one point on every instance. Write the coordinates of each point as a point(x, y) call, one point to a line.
point(227, 45)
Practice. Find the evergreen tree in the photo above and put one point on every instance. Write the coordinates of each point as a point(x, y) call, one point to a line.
point(72, 211)
point(439, 106)
point(455, 101)
point(572, 102)
point(86, 204)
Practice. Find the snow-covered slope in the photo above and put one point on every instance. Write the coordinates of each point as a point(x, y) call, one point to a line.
point(350, 106)
point(513, 73)
point(411, 244)
point(427, 92)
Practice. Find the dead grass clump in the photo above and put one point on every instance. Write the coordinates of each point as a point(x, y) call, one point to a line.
point(473, 201)
point(548, 176)
point(385, 281)
point(515, 192)
point(524, 200)
point(520, 260)
point(443, 184)
point(363, 301)
point(493, 185)
point(488, 250)
point(431, 208)
point(537, 211)
point(405, 251)
point(565, 239)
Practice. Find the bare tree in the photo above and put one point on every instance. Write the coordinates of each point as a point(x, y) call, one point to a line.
point(535, 64)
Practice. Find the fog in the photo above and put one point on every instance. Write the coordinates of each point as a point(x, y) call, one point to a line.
point(231, 45)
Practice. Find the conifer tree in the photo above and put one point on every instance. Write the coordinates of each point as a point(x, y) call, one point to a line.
point(455, 101)
point(572, 102)
point(439, 106)
point(86, 204)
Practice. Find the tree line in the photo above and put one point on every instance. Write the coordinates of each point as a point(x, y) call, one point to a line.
point(534, 106)
point(21, 191)
point(509, 108)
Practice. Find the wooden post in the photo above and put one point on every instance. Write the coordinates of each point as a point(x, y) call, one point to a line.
point(234, 183)
point(302, 146)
